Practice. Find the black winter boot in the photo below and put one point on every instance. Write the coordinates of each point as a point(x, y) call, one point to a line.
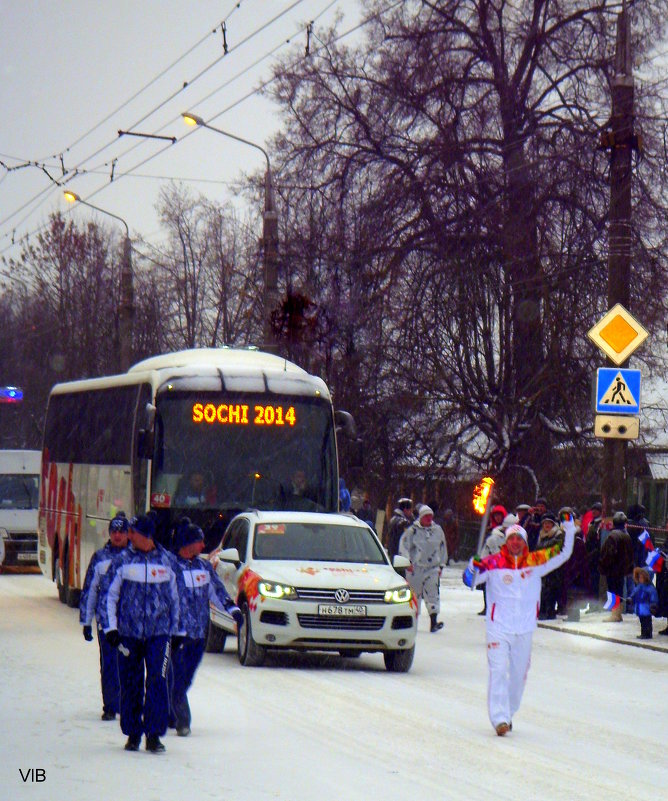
point(435, 624)
point(132, 744)
point(153, 744)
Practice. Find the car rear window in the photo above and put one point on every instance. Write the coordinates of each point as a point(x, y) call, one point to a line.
point(317, 542)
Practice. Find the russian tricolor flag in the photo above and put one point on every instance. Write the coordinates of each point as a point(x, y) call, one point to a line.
point(646, 540)
point(655, 561)
point(613, 601)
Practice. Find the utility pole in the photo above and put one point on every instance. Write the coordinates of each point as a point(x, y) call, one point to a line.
point(126, 310)
point(270, 261)
point(620, 141)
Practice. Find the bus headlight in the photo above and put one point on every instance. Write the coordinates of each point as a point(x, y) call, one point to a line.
point(401, 595)
point(270, 589)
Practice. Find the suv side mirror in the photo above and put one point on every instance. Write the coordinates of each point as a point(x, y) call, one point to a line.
point(229, 555)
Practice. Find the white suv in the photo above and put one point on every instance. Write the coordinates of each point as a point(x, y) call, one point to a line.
point(309, 581)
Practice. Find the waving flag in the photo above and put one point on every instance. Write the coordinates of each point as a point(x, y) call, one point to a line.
point(646, 540)
point(655, 561)
point(613, 601)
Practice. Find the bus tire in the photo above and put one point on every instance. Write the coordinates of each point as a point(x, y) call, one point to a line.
point(72, 597)
point(60, 584)
point(250, 653)
point(215, 639)
point(399, 661)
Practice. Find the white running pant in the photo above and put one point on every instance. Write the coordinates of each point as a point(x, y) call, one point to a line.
point(508, 658)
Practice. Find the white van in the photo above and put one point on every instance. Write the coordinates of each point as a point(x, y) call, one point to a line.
point(19, 504)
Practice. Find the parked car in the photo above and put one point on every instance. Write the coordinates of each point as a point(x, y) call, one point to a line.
point(317, 582)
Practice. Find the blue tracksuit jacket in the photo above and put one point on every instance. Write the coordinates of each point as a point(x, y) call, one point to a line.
point(198, 584)
point(94, 594)
point(143, 600)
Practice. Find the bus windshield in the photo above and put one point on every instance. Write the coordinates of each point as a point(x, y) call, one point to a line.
point(230, 451)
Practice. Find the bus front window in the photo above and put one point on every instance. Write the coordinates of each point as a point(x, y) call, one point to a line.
point(231, 452)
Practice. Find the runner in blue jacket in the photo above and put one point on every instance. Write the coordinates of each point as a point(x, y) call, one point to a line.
point(142, 617)
point(198, 584)
point(93, 602)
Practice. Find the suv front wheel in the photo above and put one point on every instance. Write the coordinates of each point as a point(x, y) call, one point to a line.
point(399, 661)
point(250, 653)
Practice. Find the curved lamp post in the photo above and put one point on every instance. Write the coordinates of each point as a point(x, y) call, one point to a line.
point(126, 309)
point(269, 232)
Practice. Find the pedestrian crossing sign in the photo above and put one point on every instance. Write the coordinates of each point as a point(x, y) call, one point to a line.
point(617, 391)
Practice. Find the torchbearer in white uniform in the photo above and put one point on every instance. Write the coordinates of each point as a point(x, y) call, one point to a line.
point(513, 578)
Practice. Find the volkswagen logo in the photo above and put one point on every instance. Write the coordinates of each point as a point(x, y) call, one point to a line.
point(342, 596)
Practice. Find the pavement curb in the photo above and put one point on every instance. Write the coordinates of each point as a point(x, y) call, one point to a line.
point(642, 644)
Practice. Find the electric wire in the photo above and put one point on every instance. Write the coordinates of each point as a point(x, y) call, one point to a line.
point(73, 173)
point(69, 174)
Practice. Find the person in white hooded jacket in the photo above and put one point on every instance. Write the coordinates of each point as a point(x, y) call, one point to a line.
point(424, 544)
point(513, 579)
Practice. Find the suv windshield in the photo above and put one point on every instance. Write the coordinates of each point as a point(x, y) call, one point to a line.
point(316, 542)
point(231, 450)
point(18, 491)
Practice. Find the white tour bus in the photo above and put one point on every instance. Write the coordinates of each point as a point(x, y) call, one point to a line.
point(202, 433)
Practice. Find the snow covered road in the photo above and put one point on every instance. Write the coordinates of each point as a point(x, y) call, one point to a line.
point(591, 726)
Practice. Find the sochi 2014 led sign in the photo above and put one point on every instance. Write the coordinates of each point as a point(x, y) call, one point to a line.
point(240, 414)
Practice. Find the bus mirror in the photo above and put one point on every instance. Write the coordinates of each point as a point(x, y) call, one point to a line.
point(345, 423)
point(145, 444)
point(357, 453)
point(150, 416)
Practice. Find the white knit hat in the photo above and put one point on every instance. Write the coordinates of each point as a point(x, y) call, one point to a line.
point(518, 531)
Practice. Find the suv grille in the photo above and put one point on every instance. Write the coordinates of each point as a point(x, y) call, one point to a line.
point(348, 623)
point(327, 596)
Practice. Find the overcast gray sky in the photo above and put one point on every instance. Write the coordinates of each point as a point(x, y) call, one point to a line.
point(67, 65)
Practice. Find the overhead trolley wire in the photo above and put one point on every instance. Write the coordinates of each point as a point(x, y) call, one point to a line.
point(245, 97)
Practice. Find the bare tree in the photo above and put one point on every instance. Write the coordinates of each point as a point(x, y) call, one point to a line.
point(461, 138)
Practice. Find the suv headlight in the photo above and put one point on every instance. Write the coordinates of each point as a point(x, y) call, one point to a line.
point(400, 595)
point(270, 589)
point(3, 534)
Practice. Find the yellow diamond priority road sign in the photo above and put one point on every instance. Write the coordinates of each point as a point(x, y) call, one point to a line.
point(618, 334)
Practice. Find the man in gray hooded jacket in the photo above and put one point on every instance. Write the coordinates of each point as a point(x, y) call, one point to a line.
point(424, 544)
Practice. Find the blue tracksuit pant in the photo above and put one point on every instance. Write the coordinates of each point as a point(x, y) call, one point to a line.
point(111, 688)
point(144, 696)
point(185, 661)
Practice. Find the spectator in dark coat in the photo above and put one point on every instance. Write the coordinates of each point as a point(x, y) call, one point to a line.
point(533, 524)
point(593, 546)
point(616, 561)
point(636, 525)
point(594, 511)
point(577, 581)
point(366, 512)
point(402, 518)
point(451, 531)
point(550, 535)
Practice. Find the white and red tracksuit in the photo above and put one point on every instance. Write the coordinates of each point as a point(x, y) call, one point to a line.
point(513, 601)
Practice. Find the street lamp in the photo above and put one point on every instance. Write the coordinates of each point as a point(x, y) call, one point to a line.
point(269, 231)
point(126, 309)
